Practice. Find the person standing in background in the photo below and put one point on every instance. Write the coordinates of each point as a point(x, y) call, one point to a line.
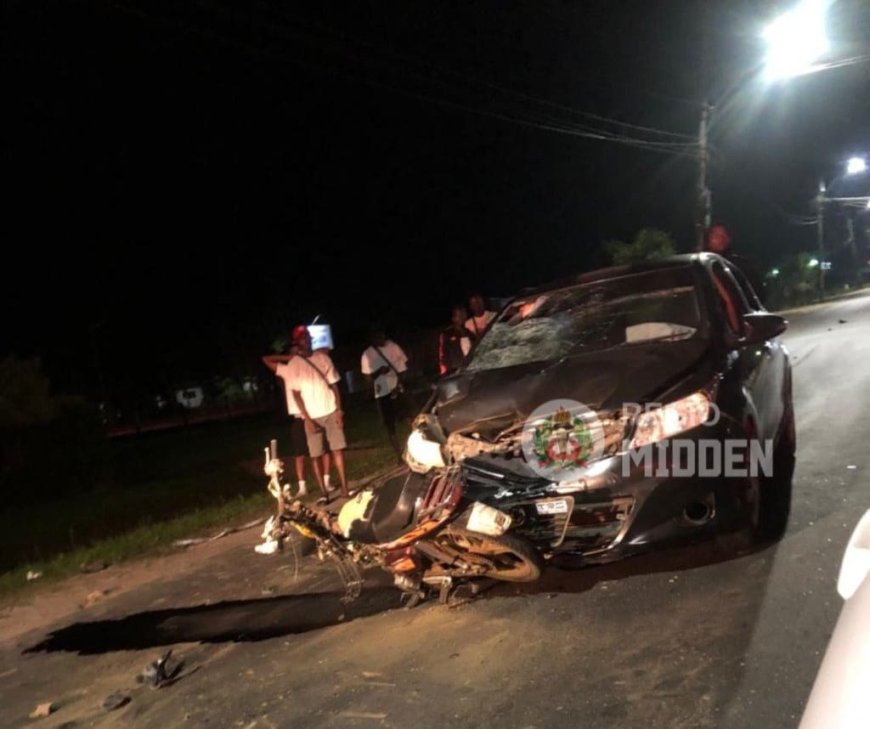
point(383, 364)
point(298, 442)
point(454, 342)
point(313, 380)
point(480, 316)
point(719, 241)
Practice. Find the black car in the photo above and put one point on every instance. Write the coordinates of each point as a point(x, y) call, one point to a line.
point(686, 425)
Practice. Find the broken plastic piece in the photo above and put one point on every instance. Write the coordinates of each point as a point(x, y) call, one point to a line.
point(43, 710)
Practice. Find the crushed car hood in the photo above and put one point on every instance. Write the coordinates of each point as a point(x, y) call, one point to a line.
point(492, 400)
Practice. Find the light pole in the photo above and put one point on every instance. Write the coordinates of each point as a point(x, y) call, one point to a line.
point(796, 40)
point(820, 230)
point(854, 166)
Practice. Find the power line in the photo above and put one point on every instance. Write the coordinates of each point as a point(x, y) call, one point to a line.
point(547, 124)
point(497, 87)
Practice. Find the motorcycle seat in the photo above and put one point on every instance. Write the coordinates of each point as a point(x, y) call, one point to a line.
point(392, 513)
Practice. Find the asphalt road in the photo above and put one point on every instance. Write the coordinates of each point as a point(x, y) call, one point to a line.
point(705, 636)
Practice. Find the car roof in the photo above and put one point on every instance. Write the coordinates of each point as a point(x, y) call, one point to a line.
point(604, 274)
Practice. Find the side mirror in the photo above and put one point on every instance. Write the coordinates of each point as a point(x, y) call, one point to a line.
point(761, 326)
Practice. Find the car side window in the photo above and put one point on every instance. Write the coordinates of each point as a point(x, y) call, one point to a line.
point(748, 292)
point(731, 298)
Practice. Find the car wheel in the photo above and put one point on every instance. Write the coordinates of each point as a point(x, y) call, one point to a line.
point(774, 490)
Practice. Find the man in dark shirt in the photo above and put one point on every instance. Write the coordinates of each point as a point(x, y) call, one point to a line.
point(454, 342)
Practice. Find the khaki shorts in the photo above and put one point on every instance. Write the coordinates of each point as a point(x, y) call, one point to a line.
point(329, 430)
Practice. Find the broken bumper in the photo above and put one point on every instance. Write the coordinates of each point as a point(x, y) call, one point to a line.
point(620, 508)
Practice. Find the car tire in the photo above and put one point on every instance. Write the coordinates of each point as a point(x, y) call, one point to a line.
point(775, 490)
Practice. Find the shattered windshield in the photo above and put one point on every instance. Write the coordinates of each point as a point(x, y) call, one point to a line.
point(655, 305)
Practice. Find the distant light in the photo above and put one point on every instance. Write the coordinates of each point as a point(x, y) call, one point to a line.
point(856, 166)
point(813, 263)
point(774, 272)
point(826, 265)
point(796, 40)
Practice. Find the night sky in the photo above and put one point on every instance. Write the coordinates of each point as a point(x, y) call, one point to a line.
point(185, 180)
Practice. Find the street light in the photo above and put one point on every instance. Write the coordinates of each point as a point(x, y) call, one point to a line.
point(796, 40)
point(856, 166)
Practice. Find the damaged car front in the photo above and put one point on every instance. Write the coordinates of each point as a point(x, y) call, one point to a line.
point(597, 413)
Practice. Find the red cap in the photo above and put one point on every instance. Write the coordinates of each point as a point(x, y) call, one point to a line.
point(298, 332)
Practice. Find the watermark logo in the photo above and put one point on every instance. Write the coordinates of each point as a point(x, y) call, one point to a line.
point(560, 438)
point(701, 458)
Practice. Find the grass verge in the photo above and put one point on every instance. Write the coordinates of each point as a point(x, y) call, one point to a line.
point(167, 486)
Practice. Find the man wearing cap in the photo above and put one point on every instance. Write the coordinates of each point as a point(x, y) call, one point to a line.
point(298, 442)
point(313, 380)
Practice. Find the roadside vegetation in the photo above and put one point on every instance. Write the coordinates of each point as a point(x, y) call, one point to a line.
point(125, 497)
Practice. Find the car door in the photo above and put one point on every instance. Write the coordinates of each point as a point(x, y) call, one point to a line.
point(762, 364)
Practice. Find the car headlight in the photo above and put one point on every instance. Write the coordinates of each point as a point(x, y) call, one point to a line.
point(671, 419)
point(422, 454)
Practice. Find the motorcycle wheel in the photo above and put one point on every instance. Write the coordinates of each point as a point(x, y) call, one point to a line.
point(516, 560)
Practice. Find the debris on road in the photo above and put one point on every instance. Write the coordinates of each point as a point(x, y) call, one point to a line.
point(115, 701)
point(193, 541)
point(851, 467)
point(161, 672)
point(91, 567)
point(156, 672)
point(43, 710)
point(362, 715)
point(94, 597)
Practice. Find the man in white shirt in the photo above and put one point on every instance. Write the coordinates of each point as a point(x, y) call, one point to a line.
point(480, 317)
point(313, 381)
point(382, 364)
point(298, 443)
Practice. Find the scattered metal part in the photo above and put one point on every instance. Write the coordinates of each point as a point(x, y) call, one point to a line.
point(158, 672)
point(115, 701)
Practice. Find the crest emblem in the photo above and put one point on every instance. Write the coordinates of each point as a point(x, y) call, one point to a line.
point(560, 438)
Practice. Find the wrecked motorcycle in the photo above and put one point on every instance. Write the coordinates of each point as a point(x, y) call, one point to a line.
point(425, 532)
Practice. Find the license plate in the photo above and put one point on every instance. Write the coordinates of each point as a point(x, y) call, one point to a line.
point(552, 507)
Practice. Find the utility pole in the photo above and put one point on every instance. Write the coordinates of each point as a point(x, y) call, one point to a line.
point(820, 229)
point(703, 213)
